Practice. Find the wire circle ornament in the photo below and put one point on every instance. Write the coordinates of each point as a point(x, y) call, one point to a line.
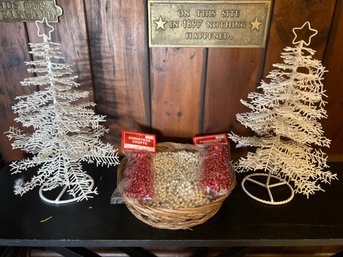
point(69, 197)
point(268, 186)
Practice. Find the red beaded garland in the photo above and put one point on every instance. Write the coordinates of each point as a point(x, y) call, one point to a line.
point(139, 176)
point(216, 169)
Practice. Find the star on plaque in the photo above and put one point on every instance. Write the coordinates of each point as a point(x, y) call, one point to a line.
point(304, 33)
point(255, 24)
point(50, 29)
point(160, 24)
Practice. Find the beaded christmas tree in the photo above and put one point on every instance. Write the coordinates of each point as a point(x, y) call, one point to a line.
point(284, 117)
point(66, 130)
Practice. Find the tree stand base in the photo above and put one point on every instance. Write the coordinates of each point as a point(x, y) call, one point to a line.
point(62, 196)
point(269, 184)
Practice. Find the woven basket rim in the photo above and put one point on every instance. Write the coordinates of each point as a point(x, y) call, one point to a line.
point(140, 209)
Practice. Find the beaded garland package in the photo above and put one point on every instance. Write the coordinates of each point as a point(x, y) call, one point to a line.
point(177, 181)
point(216, 169)
point(139, 176)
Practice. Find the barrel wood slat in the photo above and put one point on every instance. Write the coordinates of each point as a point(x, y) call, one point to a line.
point(13, 54)
point(231, 75)
point(119, 56)
point(176, 90)
point(333, 61)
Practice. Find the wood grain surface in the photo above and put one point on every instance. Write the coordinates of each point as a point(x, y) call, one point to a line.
point(119, 55)
point(173, 92)
point(176, 87)
point(231, 75)
point(13, 54)
point(333, 61)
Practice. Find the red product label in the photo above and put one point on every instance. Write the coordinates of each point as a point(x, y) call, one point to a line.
point(138, 141)
point(211, 139)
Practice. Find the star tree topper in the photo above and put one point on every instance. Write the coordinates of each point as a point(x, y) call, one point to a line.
point(301, 32)
point(50, 29)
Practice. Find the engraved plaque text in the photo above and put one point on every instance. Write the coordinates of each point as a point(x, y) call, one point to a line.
point(208, 23)
point(29, 10)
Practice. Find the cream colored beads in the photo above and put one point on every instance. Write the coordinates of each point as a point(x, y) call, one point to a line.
point(176, 180)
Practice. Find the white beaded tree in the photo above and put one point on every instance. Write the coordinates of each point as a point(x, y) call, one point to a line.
point(66, 130)
point(284, 117)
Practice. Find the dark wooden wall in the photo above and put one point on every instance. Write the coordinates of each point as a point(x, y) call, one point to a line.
point(174, 92)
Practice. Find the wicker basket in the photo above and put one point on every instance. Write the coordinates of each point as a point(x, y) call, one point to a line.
point(167, 218)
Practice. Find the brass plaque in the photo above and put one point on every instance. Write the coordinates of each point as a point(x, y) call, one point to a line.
point(26, 10)
point(208, 23)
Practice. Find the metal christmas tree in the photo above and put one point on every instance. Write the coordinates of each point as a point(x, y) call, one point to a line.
point(66, 131)
point(284, 117)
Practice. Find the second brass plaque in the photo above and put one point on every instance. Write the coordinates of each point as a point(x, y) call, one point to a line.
point(29, 10)
point(208, 23)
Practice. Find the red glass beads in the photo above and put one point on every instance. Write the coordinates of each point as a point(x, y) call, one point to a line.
point(216, 170)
